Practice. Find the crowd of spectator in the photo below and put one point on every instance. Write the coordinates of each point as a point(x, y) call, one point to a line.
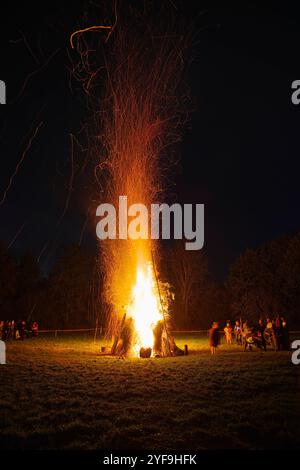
point(18, 330)
point(269, 332)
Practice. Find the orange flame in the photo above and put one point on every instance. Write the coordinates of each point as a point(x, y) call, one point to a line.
point(138, 108)
point(144, 308)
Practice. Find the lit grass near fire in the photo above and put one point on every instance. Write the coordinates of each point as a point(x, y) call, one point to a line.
point(61, 394)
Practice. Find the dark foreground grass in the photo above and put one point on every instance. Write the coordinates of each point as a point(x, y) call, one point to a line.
point(60, 393)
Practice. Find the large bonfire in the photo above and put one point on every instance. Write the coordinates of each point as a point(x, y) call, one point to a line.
point(135, 122)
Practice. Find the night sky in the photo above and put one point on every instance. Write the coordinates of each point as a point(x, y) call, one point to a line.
point(240, 149)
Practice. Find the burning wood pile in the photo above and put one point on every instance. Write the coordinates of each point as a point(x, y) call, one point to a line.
point(144, 330)
point(163, 342)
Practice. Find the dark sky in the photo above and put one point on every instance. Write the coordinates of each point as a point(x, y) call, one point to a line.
point(240, 150)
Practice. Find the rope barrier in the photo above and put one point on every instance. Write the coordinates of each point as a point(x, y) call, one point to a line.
point(103, 329)
point(73, 330)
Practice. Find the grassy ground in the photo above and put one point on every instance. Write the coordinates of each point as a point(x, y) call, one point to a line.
point(59, 393)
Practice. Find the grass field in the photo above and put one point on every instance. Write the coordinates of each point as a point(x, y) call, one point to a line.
point(61, 394)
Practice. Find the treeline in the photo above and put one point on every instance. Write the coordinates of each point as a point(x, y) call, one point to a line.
point(68, 297)
point(261, 282)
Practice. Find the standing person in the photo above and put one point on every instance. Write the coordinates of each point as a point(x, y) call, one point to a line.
point(35, 329)
point(7, 330)
point(246, 331)
point(237, 333)
point(261, 333)
point(23, 329)
point(17, 334)
point(12, 329)
point(278, 331)
point(228, 332)
point(271, 333)
point(285, 335)
point(214, 338)
point(275, 338)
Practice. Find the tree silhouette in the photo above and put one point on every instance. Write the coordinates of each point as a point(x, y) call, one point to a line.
point(72, 294)
point(189, 274)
